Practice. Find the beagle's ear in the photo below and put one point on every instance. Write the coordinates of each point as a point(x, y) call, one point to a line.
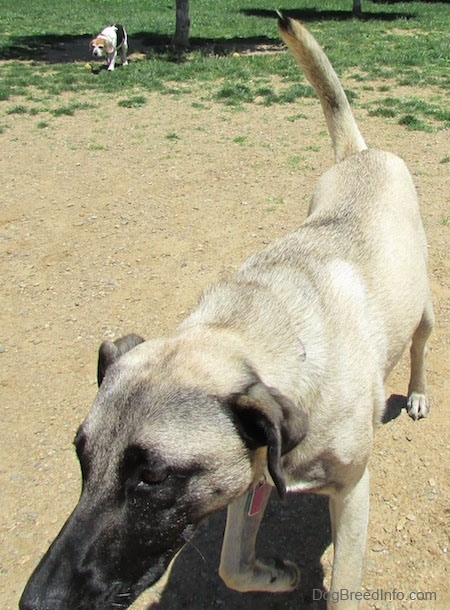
point(109, 46)
point(110, 351)
point(265, 417)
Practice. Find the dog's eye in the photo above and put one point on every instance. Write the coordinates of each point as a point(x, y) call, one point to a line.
point(141, 471)
point(151, 478)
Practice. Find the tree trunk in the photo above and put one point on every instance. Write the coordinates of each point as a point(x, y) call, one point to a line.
point(357, 10)
point(181, 36)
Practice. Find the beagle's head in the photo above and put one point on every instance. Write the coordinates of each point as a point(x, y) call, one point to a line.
point(101, 46)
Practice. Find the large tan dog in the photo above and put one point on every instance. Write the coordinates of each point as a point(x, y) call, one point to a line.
point(275, 379)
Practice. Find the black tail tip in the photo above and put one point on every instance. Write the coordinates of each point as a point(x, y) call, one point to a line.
point(284, 22)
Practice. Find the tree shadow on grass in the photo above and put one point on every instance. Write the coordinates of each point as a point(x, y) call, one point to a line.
point(53, 49)
point(60, 49)
point(309, 15)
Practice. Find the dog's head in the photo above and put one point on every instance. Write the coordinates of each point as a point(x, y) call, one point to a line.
point(101, 46)
point(163, 446)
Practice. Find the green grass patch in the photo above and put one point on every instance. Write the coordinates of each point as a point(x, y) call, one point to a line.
point(412, 122)
point(412, 112)
point(136, 101)
point(97, 147)
point(44, 51)
point(445, 222)
point(234, 93)
point(19, 109)
point(273, 202)
point(295, 117)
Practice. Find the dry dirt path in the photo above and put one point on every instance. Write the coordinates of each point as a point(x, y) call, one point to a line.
point(112, 221)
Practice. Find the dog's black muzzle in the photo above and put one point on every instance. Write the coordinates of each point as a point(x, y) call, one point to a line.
point(97, 562)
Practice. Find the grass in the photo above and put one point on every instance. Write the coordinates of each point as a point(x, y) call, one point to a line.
point(412, 112)
point(135, 101)
point(273, 203)
point(445, 222)
point(405, 44)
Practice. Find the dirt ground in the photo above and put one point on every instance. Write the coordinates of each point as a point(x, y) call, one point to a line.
point(113, 220)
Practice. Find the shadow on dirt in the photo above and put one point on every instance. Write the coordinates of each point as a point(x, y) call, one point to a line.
point(297, 529)
point(395, 404)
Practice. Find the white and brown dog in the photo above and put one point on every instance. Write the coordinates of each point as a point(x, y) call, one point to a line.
point(108, 42)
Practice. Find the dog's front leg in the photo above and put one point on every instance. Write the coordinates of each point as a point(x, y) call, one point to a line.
point(349, 512)
point(111, 61)
point(418, 405)
point(239, 568)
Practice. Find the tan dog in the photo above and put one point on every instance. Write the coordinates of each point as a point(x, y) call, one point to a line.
point(276, 379)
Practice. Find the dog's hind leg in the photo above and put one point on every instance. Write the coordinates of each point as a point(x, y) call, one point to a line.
point(239, 568)
point(418, 405)
point(124, 51)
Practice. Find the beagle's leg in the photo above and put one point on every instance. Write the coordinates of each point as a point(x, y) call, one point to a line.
point(418, 405)
point(124, 52)
point(239, 568)
point(349, 513)
point(112, 61)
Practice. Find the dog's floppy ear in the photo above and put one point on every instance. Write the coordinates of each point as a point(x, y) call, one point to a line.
point(265, 417)
point(110, 351)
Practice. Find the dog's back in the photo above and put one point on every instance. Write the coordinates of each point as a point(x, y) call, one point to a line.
point(363, 238)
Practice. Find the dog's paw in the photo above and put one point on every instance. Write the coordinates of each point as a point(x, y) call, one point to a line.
point(417, 405)
point(271, 575)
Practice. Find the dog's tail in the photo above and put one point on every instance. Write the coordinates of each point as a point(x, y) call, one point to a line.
point(345, 135)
